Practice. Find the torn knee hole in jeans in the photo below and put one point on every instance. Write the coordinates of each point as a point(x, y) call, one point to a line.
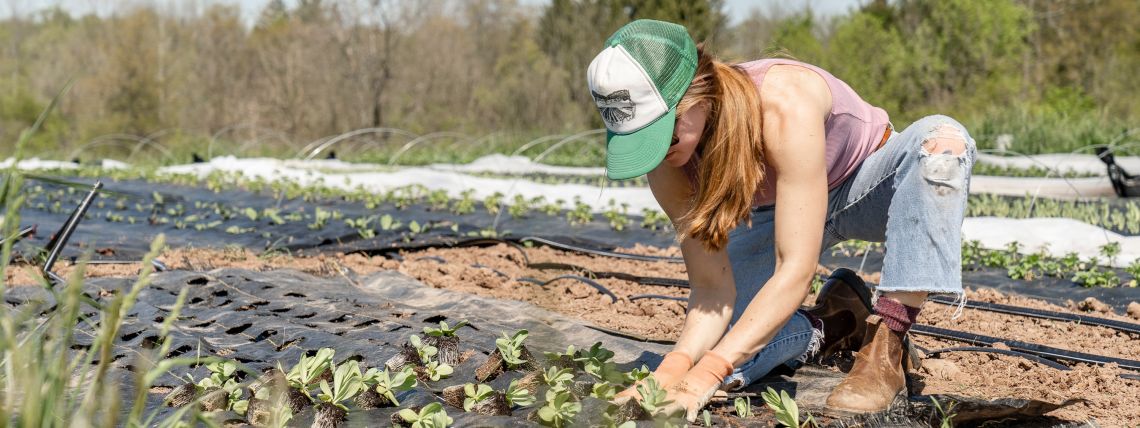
point(942, 154)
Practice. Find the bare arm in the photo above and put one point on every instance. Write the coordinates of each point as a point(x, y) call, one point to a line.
point(795, 103)
point(712, 290)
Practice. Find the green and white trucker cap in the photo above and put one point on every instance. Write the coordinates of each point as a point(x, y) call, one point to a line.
point(637, 81)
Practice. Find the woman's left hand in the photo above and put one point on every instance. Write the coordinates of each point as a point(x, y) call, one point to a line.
point(699, 385)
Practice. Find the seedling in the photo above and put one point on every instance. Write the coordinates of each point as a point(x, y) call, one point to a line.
point(559, 410)
point(785, 409)
point(347, 382)
point(492, 202)
point(388, 223)
point(320, 219)
point(423, 350)
point(511, 348)
point(430, 416)
point(1110, 251)
point(653, 396)
point(415, 228)
point(519, 207)
point(743, 407)
point(557, 378)
point(309, 369)
point(518, 396)
point(654, 220)
point(465, 204)
point(387, 385)
point(444, 330)
point(474, 394)
point(438, 200)
point(596, 362)
point(581, 214)
point(604, 391)
point(618, 219)
point(706, 417)
point(947, 415)
point(436, 371)
point(1095, 277)
point(637, 374)
point(363, 226)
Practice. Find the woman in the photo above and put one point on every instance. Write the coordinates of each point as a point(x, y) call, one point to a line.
point(761, 165)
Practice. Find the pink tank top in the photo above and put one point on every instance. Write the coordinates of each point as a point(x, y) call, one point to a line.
point(852, 131)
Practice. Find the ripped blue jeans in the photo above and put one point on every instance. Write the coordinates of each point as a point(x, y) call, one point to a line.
point(903, 195)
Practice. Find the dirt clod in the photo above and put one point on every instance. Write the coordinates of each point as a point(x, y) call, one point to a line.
point(1134, 310)
point(1091, 304)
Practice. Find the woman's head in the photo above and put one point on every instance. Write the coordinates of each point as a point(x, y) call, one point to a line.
point(655, 117)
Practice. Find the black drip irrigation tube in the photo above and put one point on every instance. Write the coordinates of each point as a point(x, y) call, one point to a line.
point(1042, 354)
point(1126, 327)
point(1025, 347)
point(1037, 359)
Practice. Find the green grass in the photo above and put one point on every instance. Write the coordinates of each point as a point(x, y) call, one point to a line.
point(48, 378)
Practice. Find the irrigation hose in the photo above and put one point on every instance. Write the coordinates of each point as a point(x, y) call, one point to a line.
point(1037, 359)
point(1043, 314)
point(1028, 348)
point(1021, 348)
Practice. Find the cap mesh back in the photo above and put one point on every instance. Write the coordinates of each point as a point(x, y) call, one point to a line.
point(666, 52)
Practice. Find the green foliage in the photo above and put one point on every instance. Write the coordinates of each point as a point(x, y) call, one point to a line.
point(653, 396)
point(511, 347)
point(743, 407)
point(618, 218)
point(423, 350)
point(436, 370)
point(347, 382)
point(518, 396)
point(785, 409)
point(596, 361)
point(430, 416)
point(557, 378)
point(559, 409)
point(309, 369)
point(946, 415)
point(444, 330)
point(604, 390)
point(637, 374)
point(1096, 277)
point(387, 385)
point(474, 394)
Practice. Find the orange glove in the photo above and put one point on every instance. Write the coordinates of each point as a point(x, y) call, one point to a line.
point(672, 368)
point(699, 384)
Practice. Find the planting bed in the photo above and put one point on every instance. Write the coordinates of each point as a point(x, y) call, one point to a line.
point(501, 266)
point(228, 248)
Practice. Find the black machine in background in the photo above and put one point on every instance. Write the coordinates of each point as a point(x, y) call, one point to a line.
point(1126, 185)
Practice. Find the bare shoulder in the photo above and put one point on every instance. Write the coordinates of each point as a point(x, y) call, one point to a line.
point(789, 88)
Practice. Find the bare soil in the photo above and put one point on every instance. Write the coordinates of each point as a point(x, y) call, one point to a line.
point(495, 271)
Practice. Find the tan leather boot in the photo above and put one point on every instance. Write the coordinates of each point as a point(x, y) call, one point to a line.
point(844, 303)
point(877, 377)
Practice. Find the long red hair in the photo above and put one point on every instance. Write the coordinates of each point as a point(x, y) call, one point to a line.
point(730, 149)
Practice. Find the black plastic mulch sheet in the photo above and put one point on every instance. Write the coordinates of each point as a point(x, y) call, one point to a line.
point(107, 228)
point(260, 318)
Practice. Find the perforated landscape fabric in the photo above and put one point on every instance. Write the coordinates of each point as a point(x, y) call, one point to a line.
point(260, 318)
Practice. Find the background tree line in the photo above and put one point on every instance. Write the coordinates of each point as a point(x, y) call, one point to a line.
point(1056, 74)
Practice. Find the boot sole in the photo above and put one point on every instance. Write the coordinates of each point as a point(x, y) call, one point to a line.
point(899, 401)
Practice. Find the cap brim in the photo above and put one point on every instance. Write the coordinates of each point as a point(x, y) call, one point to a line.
point(635, 154)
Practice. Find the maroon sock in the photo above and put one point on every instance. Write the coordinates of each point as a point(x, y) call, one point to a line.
point(897, 316)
